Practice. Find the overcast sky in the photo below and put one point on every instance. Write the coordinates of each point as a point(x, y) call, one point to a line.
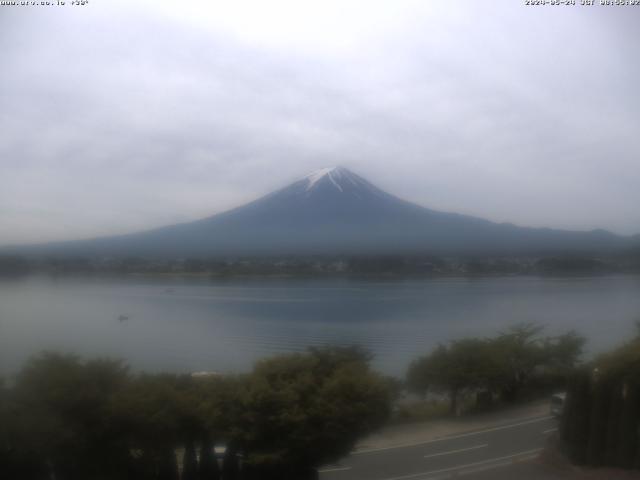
point(120, 116)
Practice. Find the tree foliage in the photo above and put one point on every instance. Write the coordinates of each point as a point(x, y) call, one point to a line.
point(503, 365)
point(304, 410)
point(462, 365)
point(94, 420)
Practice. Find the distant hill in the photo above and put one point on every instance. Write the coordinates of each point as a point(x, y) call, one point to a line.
point(335, 211)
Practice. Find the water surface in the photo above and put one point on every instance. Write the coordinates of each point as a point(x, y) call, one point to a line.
point(187, 325)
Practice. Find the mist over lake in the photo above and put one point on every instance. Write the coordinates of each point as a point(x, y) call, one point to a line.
point(192, 324)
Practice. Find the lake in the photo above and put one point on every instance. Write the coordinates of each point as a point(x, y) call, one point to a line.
point(191, 324)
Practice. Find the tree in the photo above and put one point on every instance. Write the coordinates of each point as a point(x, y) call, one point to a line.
point(300, 411)
point(70, 419)
point(220, 409)
point(521, 351)
point(208, 467)
point(159, 414)
point(62, 410)
point(563, 352)
point(526, 355)
point(503, 365)
point(462, 365)
point(17, 457)
point(189, 462)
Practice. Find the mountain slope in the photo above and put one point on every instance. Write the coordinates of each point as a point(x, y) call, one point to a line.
point(334, 211)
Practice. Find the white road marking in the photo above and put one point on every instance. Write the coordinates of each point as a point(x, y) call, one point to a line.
point(493, 466)
point(451, 452)
point(550, 430)
point(454, 437)
point(336, 469)
point(500, 460)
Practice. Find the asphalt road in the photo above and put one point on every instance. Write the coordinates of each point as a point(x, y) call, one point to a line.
point(500, 451)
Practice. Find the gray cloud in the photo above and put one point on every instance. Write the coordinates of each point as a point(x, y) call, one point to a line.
point(116, 118)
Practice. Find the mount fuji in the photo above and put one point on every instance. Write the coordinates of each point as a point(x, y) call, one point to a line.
point(335, 211)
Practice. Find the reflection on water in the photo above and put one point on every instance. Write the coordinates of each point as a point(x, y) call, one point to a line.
point(192, 325)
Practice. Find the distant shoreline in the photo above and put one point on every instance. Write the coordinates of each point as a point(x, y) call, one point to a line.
point(344, 276)
point(314, 266)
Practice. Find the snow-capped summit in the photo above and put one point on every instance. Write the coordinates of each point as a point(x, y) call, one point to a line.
point(315, 177)
point(331, 184)
point(335, 175)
